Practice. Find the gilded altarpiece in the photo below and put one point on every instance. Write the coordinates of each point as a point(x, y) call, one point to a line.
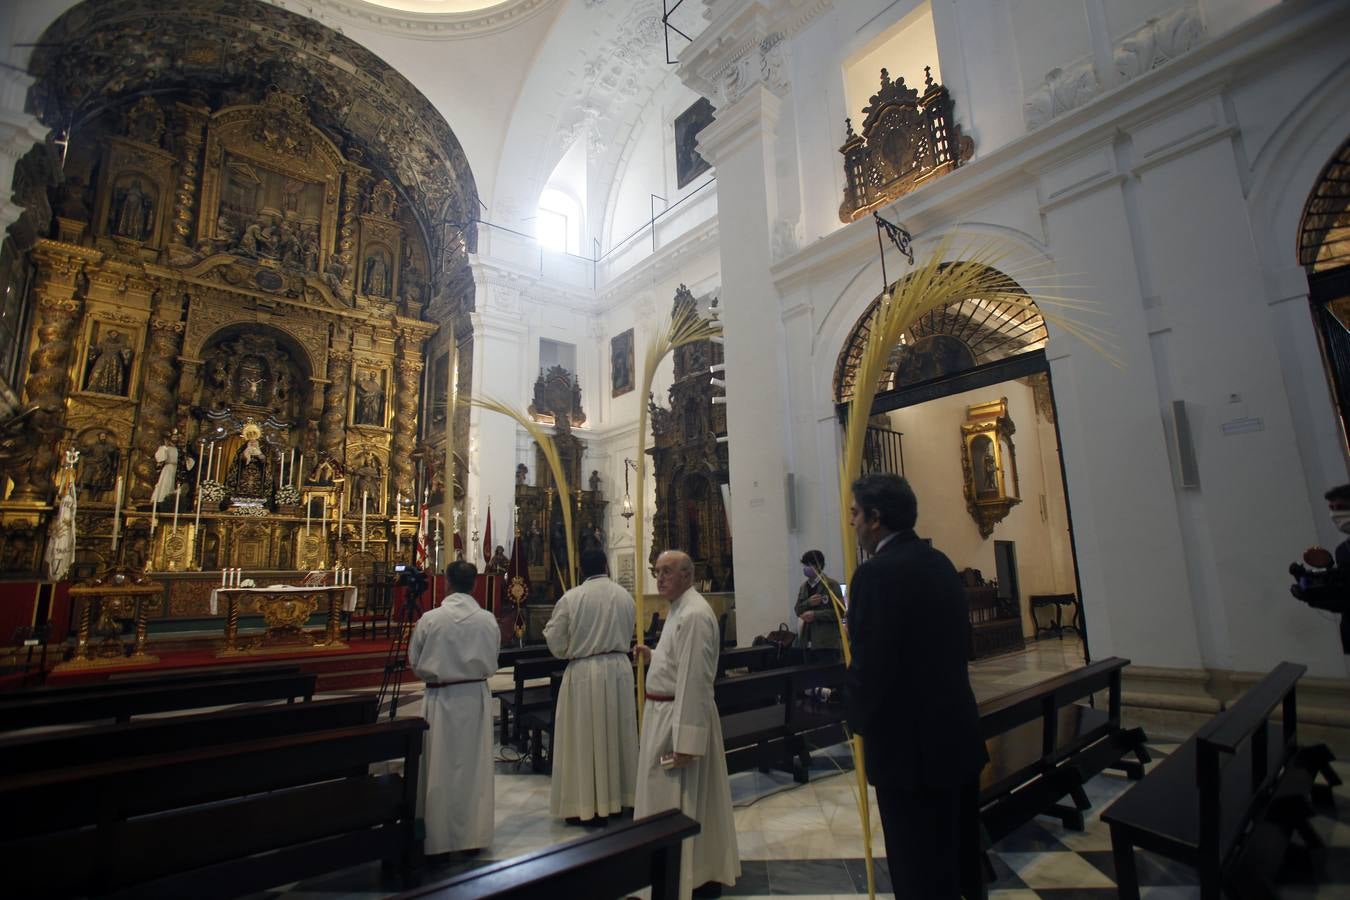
point(237, 292)
point(690, 465)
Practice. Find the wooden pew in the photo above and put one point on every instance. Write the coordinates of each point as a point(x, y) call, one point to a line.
point(509, 656)
point(79, 746)
point(1044, 745)
point(1228, 799)
point(756, 659)
point(523, 698)
point(614, 862)
point(122, 701)
point(218, 821)
point(767, 722)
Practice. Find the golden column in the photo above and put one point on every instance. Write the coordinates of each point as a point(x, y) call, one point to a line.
point(333, 424)
point(157, 394)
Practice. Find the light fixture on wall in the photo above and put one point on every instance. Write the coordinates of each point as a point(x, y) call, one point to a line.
point(627, 512)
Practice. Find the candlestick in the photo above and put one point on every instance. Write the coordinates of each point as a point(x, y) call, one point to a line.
point(210, 457)
point(398, 523)
point(177, 498)
point(291, 467)
point(305, 500)
point(365, 497)
point(300, 475)
point(117, 512)
point(340, 504)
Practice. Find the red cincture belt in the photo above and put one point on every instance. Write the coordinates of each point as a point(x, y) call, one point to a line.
point(660, 698)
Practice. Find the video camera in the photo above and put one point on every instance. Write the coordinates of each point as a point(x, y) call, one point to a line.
point(1325, 585)
point(412, 579)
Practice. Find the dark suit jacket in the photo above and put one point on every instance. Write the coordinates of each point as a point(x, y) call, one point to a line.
point(909, 690)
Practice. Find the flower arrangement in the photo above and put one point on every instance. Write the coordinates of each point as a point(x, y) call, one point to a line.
point(212, 491)
point(288, 495)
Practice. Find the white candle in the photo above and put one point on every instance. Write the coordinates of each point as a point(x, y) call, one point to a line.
point(222, 577)
point(365, 498)
point(306, 502)
point(398, 523)
point(300, 479)
point(291, 467)
point(117, 512)
point(281, 467)
point(197, 521)
point(177, 497)
point(339, 506)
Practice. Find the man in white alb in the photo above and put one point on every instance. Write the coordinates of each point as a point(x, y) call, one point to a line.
point(454, 650)
point(595, 726)
point(680, 723)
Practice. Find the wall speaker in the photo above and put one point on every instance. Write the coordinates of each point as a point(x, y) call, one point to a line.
point(1184, 445)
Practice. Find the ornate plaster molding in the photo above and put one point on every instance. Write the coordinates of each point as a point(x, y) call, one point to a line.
point(1157, 41)
point(423, 26)
point(745, 44)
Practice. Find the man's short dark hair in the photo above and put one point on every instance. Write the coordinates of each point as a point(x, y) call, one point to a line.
point(815, 559)
point(462, 575)
point(593, 562)
point(888, 496)
point(1339, 493)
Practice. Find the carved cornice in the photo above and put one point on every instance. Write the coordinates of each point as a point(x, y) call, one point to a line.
point(430, 26)
point(746, 44)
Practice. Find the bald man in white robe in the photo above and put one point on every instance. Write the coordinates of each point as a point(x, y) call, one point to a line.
point(680, 722)
point(454, 650)
point(595, 730)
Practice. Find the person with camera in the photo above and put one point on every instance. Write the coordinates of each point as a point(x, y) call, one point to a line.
point(454, 650)
point(1329, 588)
point(595, 725)
point(815, 610)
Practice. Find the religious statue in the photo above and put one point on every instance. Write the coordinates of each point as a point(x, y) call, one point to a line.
point(990, 473)
point(309, 249)
point(98, 474)
point(226, 233)
point(309, 445)
point(522, 474)
point(535, 545)
point(133, 215)
point(595, 481)
point(167, 458)
point(499, 564)
point(369, 399)
point(251, 238)
point(377, 276)
point(249, 474)
point(109, 363)
point(366, 482)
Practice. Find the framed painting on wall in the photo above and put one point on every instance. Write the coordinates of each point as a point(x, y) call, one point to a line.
point(689, 164)
point(621, 363)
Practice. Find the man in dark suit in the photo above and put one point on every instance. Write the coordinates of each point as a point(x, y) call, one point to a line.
point(909, 693)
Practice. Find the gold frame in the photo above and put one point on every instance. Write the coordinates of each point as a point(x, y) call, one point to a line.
point(989, 499)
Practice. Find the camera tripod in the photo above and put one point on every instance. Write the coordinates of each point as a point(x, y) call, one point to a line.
point(414, 582)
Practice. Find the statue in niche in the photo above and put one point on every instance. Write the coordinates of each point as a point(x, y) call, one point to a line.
point(98, 465)
point(249, 474)
point(377, 276)
point(366, 483)
point(522, 474)
point(369, 399)
point(218, 378)
point(535, 545)
point(133, 212)
point(109, 363)
point(251, 378)
point(595, 481)
point(281, 388)
point(989, 470)
point(309, 445)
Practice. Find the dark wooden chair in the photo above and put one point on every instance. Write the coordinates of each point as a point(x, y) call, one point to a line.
point(614, 862)
point(375, 606)
point(995, 627)
point(524, 696)
point(1227, 801)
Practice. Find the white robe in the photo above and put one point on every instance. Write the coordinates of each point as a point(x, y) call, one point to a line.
point(167, 457)
point(595, 729)
point(457, 641)
point(684, 665)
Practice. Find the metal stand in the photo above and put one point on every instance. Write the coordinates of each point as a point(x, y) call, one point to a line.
point(414, 581)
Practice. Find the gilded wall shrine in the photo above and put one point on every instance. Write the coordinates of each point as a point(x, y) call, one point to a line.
point(230, 319)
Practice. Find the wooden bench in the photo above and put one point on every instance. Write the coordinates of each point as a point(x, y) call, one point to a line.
point(754, 659)
point(1045, 745)
point(614, 862)
point(218, 821)
point(523, 697)
point(994, 628)
point(767, 722)
point(1228, 799)
point(121, 701)
point(79, 746)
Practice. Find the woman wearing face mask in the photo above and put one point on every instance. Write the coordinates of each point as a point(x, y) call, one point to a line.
point(815, 610)
point(1329, 589)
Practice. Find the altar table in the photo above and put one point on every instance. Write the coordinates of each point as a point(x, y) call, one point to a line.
point(285, 608)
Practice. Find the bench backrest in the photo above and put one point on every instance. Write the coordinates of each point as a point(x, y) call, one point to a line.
point(755, 659)
point(79, 746)
point(1006, 711)
point(117, 682)
point(191, 823)
point(611, 863)
point(138, 699)
point(1243, 728)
